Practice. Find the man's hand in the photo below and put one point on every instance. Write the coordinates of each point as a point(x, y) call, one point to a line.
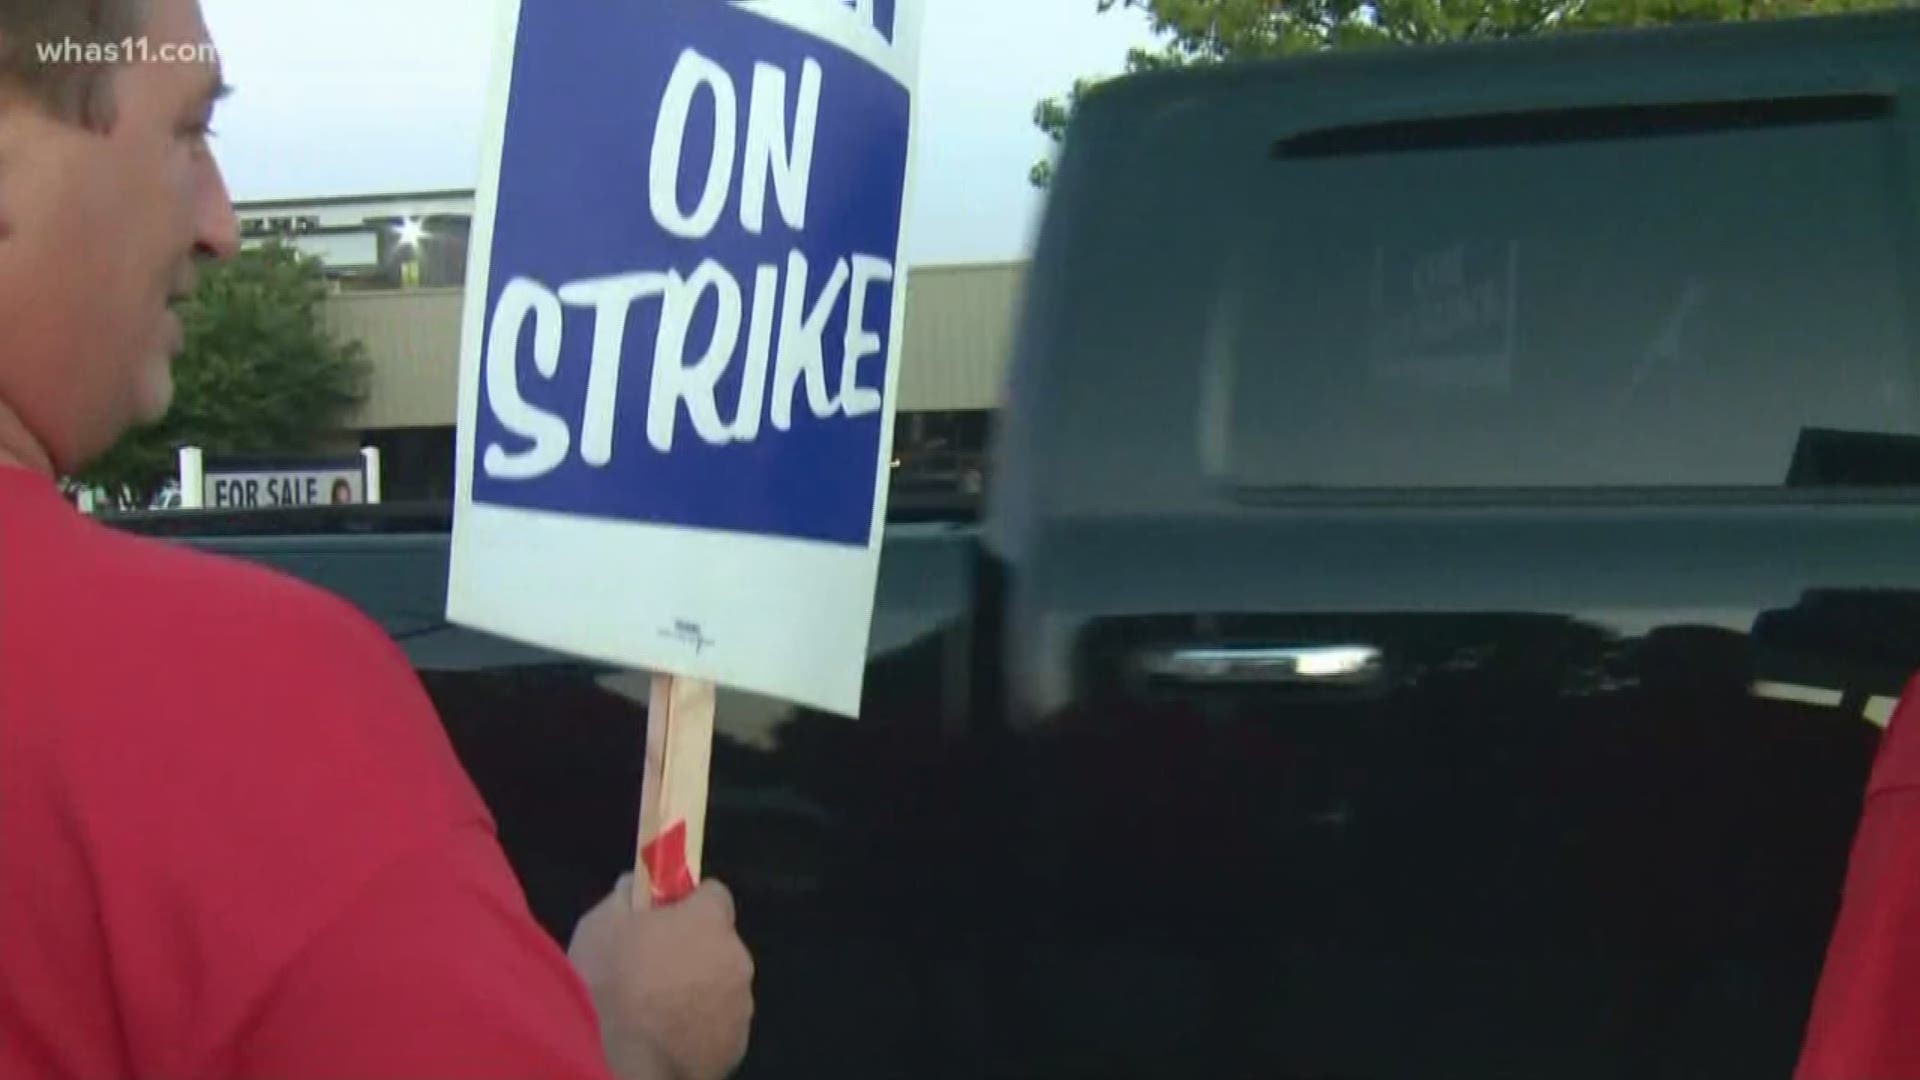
point(673, 985)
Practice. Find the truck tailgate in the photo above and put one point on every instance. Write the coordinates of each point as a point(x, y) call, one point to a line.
point(1556, 792)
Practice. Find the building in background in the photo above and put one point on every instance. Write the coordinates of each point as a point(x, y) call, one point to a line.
point(399, 263)
point(372, 242)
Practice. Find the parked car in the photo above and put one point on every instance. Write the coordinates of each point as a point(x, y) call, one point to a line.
point(1453, 543)
point(167, 498)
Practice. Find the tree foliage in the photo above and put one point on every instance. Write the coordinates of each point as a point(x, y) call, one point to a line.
point(1211, 31)
point(258, 373)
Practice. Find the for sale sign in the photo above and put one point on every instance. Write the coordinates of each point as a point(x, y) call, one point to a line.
point(682, 336)
point(257, 483)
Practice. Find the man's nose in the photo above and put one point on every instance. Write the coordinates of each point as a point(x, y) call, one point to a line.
point(216, 226)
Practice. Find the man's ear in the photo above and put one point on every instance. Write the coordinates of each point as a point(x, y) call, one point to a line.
point(25, 130)
point(11, 116)
point(20, 125)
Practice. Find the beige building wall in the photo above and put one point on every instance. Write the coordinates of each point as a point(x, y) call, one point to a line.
point(958, 335)
point(412, 338)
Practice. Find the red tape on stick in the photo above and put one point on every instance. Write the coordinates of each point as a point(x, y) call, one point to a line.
point(666, 861)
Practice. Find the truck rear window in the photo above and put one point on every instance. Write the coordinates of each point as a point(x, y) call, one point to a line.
point(1692, 295)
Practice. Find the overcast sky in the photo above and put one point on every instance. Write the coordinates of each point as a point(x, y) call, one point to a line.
point(339, 97)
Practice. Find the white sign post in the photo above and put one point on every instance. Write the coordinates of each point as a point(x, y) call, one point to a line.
point(680, 353)
point(371, 455)
point(193, 477)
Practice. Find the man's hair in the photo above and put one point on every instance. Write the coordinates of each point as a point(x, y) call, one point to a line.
point(76, 92)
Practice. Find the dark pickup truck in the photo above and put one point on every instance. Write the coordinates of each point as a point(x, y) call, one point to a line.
point(1451, 550)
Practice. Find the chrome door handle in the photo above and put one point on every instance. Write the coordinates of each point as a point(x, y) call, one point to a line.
point(1292, 665)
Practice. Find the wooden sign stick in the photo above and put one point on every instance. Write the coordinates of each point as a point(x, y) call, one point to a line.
point(673, 790)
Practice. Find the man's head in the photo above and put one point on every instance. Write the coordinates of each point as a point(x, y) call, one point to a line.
point(108, 195)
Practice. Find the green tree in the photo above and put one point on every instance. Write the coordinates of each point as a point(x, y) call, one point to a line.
point(1212, 31)
point(258, 373)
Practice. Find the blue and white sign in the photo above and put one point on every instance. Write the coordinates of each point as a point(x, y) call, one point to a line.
point(682, 334)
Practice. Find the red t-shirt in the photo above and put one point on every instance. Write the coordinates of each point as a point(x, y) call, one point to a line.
point(234, 841)
point(1866, 1014)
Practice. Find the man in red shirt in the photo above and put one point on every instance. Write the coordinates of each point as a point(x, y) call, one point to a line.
point(1866, 1014)
point(234, 841)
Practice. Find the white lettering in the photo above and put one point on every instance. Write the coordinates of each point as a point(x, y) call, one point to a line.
point(753, 382)
point(768, 153)
point(524, 298)
point(669, 134)
point(800, 351)
point(611, 298)
point(860, 343)
point(673, 380)
point(785, 345)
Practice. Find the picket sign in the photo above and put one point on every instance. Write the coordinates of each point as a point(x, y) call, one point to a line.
point(680, 355)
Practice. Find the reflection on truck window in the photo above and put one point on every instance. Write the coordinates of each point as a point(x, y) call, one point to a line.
point(1690, 309)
